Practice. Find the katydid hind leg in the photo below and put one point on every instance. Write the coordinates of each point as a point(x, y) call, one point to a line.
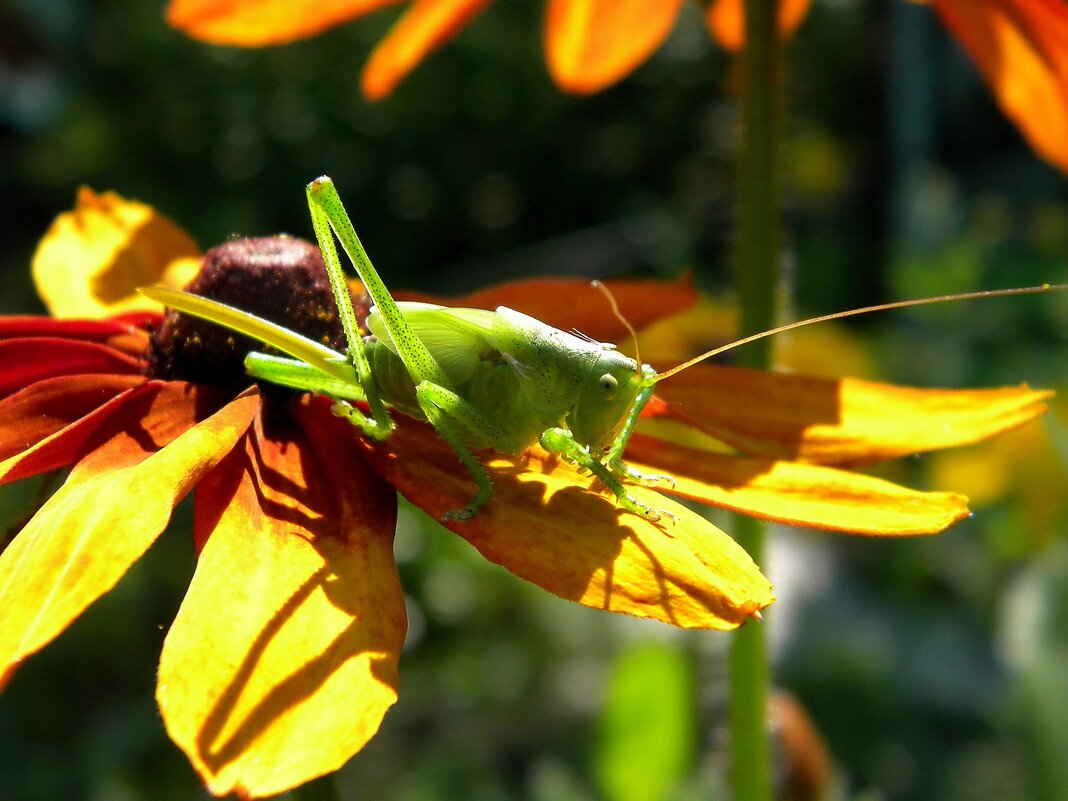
point(451, 415)
point(380, 424)
point(328, 212)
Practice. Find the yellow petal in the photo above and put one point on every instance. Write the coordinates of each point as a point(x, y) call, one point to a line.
point(726, 20)
point(549, 525)
point(283, 658)
point(111, 509)
point(427, 25)
point(592, 44)
point(1021, 47)
point(256, 23)
point(92, 259)
point(798, 494)
point(839, 422)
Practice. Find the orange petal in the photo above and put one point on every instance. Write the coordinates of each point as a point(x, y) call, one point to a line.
point(31, 420)
point(592, 44)
point(839, 422)
point(1021, 47)
point(569, 303)
point(256, 23)
point(111, 509)
point(798, 494)
point(546, 525)
point(726, 20)
point(427, 25)
point(283, 658)
point(92, 259)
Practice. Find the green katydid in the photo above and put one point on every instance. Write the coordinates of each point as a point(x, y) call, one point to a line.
point(484, 379)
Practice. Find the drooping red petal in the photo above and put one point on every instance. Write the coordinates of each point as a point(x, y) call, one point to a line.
point(567, 303)
point(256, 23)
point(426, 26)
point(283, 658)
point(592, 44)
point(845, 421)
point(1021, 47)
point(39, 411)
point(111, 509)
point(25, 361)
point(548, 524)
point(798, 494)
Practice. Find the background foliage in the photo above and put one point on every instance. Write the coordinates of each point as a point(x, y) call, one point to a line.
point(935, 669)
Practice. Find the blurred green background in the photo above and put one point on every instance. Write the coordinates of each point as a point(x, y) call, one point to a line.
point(934, 669)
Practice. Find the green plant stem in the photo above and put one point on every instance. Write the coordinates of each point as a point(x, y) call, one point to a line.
point(757, 264)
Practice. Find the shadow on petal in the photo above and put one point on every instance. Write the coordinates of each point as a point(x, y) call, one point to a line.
point(550, 525)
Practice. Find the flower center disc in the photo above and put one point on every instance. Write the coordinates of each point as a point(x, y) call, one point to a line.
point(278, 278)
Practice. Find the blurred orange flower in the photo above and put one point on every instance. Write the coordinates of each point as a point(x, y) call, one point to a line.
point(283, 658)
point(1020, 46)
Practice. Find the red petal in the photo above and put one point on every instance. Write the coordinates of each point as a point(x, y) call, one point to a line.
point(31, 416)
point(26, 361)
point(89, 330)
point(279, 671)
point(111, 509)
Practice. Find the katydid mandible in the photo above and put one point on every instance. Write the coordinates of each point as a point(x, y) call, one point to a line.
point(497, 380)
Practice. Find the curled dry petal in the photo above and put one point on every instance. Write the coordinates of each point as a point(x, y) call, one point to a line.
point(545, 525)
point(592, 44)
point(425, 26)
point(76, 548)
point(283, 658)
point(1021, 47)
point(256, 23)
point(798, 494)
point(92, 259)
point(843, 421)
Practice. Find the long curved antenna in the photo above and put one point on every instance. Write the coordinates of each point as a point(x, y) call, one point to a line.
point(901, 304)
point(619, 316)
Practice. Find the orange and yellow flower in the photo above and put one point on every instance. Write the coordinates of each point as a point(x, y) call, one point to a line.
point(283, 658)
point(1020, 46)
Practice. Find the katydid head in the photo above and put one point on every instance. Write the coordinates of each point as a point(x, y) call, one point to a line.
point(605, 398)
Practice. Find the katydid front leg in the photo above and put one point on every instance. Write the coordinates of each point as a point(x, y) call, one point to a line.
point(614, 459)
point(560, 440)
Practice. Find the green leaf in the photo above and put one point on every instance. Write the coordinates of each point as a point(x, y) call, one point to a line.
point(646, 737)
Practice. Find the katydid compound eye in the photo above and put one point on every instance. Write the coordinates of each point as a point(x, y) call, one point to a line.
point(608, 382)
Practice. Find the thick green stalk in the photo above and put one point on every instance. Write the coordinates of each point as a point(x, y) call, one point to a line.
point(757, 267)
